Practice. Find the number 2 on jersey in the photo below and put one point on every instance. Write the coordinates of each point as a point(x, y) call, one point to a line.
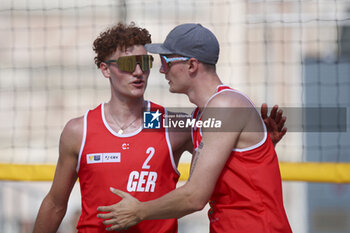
point(150, 151)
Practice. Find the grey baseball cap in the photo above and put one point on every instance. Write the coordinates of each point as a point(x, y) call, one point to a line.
point(190, 40)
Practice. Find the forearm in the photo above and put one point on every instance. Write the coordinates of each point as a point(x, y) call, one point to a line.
point(176, 204)
point(49, 217)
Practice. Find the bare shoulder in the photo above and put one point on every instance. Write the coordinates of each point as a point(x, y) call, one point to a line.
point(233, 109)
point(74, 127)
point(230, 99)
point(72, 134)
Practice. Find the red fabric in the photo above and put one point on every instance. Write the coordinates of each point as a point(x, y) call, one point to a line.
point(248, 194)
point(96, 178)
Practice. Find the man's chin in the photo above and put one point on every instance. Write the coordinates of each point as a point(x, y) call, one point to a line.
point(138, 94)
point(172, 90)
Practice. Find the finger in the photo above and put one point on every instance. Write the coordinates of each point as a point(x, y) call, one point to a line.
point(273, 112)
point(273, 127)
point(105, 208)
point(280, 124)
point(264, 111)
point(116, 227)
point(119, 192)
point(279, 116)
point(110, 222)
point(284, 131)
point(105, 216)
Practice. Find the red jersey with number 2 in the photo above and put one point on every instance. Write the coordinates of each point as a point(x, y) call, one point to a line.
point(139, 163)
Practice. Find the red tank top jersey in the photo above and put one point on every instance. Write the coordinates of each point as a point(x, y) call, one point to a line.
point(140, 163)
point(248, 194)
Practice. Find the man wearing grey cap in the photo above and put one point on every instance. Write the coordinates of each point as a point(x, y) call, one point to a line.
point(235, 170)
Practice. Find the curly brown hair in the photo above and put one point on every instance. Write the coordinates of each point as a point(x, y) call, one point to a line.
point(120, 36)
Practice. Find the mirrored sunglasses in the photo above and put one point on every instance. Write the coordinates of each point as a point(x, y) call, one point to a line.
point(128, 63)
point(166, 61)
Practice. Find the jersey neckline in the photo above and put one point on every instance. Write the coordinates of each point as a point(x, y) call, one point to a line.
point(115, 133)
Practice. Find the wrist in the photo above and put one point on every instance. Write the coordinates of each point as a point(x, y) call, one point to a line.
point(140, 211)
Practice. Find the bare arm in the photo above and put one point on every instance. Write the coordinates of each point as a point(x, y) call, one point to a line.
point(207, 165)
point(54, 205)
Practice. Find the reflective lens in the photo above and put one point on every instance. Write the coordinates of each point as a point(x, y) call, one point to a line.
point(165, 67)
point(128, 63)
point(166, 62)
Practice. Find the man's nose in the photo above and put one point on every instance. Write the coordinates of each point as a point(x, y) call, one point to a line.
point(138, 71)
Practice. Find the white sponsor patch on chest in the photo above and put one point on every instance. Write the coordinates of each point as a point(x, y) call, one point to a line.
point(103, 158)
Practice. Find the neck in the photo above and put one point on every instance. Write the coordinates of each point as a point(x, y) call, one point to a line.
point(124, 109)
point(203, 89)
point(124, 116)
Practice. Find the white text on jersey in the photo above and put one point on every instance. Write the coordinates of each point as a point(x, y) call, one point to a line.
point(143, 181)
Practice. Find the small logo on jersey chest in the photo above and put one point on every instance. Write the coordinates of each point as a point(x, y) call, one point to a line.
point(125, 146)
point(103, 158)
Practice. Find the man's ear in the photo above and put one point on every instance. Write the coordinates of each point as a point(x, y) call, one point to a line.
point(193, 65)
point(105, 70)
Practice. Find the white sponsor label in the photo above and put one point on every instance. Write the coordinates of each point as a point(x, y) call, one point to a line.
point(103, 158)
point(111, 157)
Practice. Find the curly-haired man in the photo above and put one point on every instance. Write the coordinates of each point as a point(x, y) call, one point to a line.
point(108, 146)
